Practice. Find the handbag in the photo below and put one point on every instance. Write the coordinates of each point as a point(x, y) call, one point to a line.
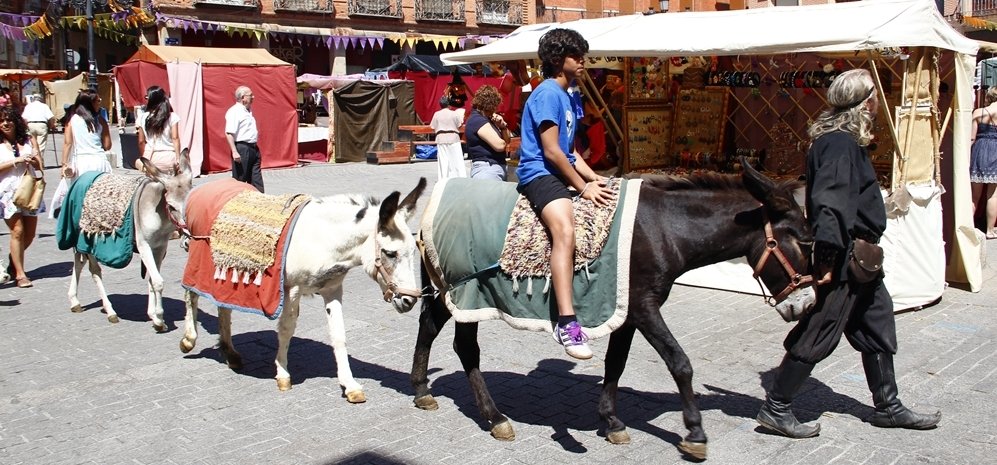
point(30, 191)
point(865, 263)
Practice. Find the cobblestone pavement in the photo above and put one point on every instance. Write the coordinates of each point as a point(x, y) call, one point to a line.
point(76, 389)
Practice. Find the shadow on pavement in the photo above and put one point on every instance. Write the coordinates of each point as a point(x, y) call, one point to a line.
point(367, 458)
point(306, 359)
point(134, 307)
point(550, 395)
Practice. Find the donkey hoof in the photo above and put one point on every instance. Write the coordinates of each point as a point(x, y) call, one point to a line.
point(695, 450)
point(618, 437)
point(234, 362)
point(76, 308)
point(503, 431)
point(186, 345)
point(160, 328)
point(113, 318)
point(284, 384)
point(356, 397)
point(426, 403)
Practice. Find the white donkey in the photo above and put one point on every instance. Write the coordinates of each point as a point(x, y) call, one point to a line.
point(155, 206)
point(331, 236)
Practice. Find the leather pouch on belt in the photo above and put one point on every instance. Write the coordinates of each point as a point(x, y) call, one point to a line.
point(866, 261)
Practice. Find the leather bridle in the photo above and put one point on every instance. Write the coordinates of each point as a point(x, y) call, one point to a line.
point(796, 280)
point(387, 274)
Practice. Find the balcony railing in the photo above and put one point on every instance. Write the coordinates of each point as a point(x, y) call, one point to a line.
point(984, 8)
point(304, 6)
point(553, 14)
point(500, 12)
point(377, 8)
point(439, 10)
point(241, 3)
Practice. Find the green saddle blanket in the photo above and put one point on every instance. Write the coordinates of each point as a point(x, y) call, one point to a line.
point(463, 233)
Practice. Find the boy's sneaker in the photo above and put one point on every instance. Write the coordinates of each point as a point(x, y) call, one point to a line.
point(573, 339)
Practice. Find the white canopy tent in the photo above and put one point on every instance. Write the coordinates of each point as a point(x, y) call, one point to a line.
point(857, 26)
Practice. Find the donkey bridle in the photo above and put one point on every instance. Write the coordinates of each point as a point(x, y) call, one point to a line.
point(388, 275)
point(796, 280)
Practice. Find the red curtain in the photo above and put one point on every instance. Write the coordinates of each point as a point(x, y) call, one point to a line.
point(137, 76)
point(429, 88)
point(274, 105)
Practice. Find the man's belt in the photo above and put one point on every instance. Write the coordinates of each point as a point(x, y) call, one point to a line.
point(251, 144)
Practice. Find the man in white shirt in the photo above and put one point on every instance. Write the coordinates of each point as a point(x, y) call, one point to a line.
point(242, 135)
point(40, 121)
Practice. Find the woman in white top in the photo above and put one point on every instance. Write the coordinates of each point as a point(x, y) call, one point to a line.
point(18, 150)
point(86, 142)
point(449, 154)
point(158, 129)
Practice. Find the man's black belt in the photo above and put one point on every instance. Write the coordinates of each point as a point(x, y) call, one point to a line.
point(251, 144)
point(42, 122)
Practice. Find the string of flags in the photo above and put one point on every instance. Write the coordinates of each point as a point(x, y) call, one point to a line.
point(366, 41)
point(107, 25)
point(116, 25)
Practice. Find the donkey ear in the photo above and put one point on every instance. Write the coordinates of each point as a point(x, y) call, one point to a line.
point(150, 169)
point(758, 185)
point(408, 205)
point(185, 160)
point(765, 191)
point(388, 208)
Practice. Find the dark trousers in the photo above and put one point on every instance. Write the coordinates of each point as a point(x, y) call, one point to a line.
point(247, 168)
point(862, 312)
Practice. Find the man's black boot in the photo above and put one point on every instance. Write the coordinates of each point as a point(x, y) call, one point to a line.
point(777, 412)
point(890, 413)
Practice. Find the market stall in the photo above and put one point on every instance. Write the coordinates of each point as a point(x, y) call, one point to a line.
point(201, 83)
point(753, 95)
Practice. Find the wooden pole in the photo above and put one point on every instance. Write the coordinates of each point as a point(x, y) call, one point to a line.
point(912, 114)
point(889, 117)
point(935, 134)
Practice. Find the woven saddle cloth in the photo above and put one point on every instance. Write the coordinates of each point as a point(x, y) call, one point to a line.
point(464, 237)
point(244, 235)
point(106, 202)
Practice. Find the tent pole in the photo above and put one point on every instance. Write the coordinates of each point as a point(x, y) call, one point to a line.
point(912, 114)
point(935, 134)
point(882, 99)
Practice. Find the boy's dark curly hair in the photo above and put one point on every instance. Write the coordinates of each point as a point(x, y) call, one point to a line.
point(555, 45)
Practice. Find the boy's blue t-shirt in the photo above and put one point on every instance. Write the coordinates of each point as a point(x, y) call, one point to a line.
point(548, 102)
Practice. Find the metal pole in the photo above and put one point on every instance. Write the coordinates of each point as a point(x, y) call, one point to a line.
point(92, 73)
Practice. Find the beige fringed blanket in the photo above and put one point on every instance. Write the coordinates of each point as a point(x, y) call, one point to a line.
point(526, 252)
point(105, 204)
point(245, 233)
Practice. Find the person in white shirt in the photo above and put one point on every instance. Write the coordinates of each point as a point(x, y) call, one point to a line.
point(85, 144)
point(158, 129)
point(40, 121)
point(242, 135)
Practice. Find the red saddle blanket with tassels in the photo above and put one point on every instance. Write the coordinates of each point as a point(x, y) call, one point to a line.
point(266, 297)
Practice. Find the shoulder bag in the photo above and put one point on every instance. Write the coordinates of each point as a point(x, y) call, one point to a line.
point(865, 263)
point(30, 191)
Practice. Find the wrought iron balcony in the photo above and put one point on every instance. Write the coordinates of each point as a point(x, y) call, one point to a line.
point(500, 12)
point(304, 6)
point(376, 8)
point(238, 3)
point(983, 8)
point(439, 10)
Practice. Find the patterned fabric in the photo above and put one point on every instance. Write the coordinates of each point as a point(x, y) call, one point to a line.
point(527, 244)
point(106, 202)
point(245, 233)
point(199, 276)
point(114, 250)
point(983, 155)
point(463, 234)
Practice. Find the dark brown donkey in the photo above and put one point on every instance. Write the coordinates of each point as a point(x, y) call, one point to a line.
point(681, 224)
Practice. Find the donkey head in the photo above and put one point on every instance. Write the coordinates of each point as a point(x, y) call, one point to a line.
point(395, 250)
point(781, 256)
point(178, 183)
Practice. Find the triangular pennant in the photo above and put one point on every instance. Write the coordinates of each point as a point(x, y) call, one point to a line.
point(328, 42)
point(353, 41)
point(380, 42)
